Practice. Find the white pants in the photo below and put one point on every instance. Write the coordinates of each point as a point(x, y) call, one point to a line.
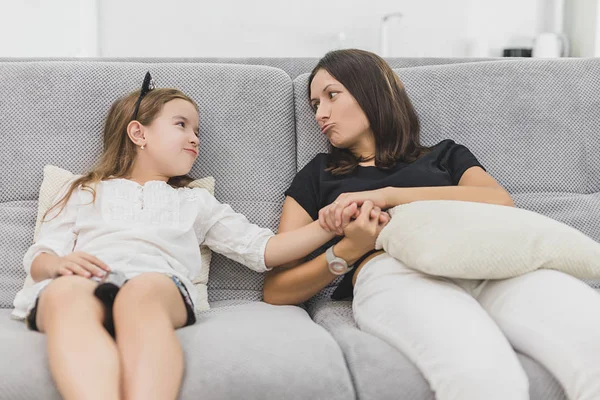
point(461, 333)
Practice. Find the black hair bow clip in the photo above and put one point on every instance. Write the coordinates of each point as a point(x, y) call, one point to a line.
point(147, 86)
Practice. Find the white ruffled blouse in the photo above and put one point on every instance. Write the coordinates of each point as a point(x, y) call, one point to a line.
point(145, 228)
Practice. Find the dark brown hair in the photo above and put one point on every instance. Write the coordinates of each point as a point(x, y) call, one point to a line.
point(119, 151)
point(381, 95)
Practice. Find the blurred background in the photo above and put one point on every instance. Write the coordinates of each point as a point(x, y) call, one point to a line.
point(307, 28)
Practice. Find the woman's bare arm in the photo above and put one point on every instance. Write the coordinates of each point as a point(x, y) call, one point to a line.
point(298, 281)
point(475, 185)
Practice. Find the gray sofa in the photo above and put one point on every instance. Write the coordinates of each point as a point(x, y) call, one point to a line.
point(534, 124)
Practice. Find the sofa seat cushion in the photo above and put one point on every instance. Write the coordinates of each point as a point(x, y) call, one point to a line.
point(237, 350)
point(381, 372)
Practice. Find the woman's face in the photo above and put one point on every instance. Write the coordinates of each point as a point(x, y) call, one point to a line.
point(338, 114)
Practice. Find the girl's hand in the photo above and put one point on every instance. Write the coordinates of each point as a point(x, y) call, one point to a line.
point(349, 213)
point(82, 264)
point(363, 231)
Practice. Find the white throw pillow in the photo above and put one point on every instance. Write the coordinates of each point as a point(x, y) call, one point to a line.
point(56, 178)
point(468, 240)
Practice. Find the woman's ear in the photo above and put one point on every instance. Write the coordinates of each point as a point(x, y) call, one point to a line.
point(135, 131)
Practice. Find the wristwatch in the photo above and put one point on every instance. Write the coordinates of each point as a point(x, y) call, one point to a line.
point(337, 266)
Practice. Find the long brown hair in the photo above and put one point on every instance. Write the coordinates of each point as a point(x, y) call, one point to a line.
point(382, 97)
point(119, 151)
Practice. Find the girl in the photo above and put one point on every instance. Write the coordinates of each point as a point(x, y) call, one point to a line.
point(459, 333)
point(132, 216)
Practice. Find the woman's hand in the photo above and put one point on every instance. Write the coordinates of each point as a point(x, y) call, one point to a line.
point(336, 216)
point(363, 231)
point(80, 263)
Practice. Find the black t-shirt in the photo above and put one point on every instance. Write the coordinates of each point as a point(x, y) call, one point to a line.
point(314, 188)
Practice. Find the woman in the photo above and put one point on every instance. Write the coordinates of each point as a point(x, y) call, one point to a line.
point(459, 333)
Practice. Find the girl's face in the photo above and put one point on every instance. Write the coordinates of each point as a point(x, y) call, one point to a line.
point(338, 114)
point(172, 139)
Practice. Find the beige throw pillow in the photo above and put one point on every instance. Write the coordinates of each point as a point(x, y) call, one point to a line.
point(468, 240)
point(56, 178)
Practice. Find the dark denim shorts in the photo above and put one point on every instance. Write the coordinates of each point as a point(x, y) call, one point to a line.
point(108, 324)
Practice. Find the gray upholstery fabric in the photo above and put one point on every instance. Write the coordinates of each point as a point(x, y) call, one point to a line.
point(293, 66)
point(381, 372)
point(55, 114)
point(532, 130)
point(235, 351)
point(259, 351)
point(24, 363)
point(17, 220)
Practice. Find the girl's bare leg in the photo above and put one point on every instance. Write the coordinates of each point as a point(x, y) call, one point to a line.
point(83, 357)
point(146, 312)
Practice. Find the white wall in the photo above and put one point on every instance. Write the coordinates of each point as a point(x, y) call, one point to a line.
point(496, 25)
point(264, 28)
point(38, 28)
point(581, 26)
point(434, 28)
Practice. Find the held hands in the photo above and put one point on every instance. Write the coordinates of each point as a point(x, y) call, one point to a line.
point(336, 216)
point(360, 225)
point(365, 229)
point(82, 264)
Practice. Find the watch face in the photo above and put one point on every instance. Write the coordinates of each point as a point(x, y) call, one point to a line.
point(338, 267)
